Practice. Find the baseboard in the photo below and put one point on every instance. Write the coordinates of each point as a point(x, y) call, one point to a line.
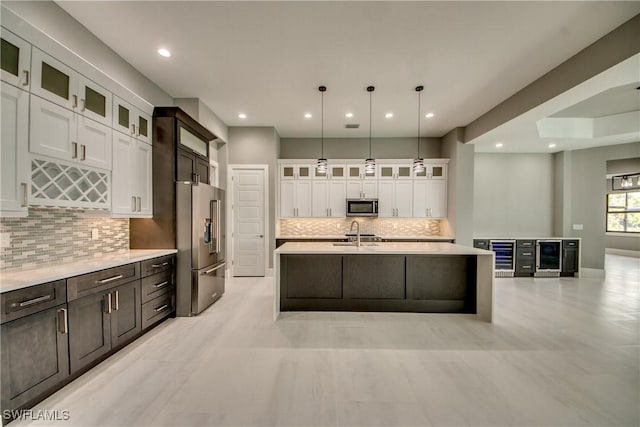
point(592, 272)
point(622, 252)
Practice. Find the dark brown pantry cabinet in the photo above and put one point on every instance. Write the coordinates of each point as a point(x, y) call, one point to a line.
point(34, 330)
point(180, 153)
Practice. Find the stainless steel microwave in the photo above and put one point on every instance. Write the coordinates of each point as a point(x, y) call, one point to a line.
point(362, 207)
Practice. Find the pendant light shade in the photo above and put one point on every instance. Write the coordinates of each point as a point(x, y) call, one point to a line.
point(370, 163)
point(321, 167)
point(418, 162)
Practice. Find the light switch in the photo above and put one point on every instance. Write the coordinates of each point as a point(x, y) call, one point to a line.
point(578, 227)
point(94, 234)
point(5, 240)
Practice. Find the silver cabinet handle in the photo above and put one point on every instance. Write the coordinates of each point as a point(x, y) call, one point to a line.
point(161, 285)
point(110, 279)
point(526, 253)
point(26, 78)
point(133, 129)
point(83, 105)
point(162, 308)
point(133, 203)
point(137, 130)
point(326, 212)
point(84, 152)
point(75, 101)
point(139, 203)
point(108, 303)
point(117, 303)
point(33, 301)
point(160, 265)
point(25, 195)
point(74, 150)
point(330, 213)
point(64, 322)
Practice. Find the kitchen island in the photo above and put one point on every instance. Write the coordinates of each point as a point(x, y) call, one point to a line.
point(424, 277)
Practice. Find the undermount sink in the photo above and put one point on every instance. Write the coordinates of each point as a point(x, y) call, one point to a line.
point(354, 244)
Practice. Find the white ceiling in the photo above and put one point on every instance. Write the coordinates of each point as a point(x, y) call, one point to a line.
point(266, 59)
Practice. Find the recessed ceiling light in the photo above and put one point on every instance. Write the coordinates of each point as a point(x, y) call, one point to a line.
point(242, 116)
point(388, 115)
point(499, 145)
point(429, 115)
point(307, 115)
point(348, 115)
point(164, 52)
point(552, 145)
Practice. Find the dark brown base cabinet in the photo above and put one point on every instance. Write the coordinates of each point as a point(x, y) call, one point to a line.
point(100, 322)
point(412, 283)
point(35, 356)
point(47, 341)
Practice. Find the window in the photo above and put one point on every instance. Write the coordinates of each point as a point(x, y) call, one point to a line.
point(623, 212)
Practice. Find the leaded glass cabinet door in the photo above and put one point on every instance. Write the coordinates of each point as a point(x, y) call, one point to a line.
point(54, 81)
point(15, 59)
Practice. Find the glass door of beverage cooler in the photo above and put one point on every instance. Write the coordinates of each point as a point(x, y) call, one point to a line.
point(505, 257)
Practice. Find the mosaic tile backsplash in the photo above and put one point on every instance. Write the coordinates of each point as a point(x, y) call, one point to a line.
point(401, 227)
point(50, 235)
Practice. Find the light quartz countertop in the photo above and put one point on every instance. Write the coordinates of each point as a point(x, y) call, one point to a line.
point(342, 236)
point(11, 280)
point(422, 248)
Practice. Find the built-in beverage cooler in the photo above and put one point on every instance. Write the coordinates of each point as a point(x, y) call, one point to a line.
point(505, 256)
point(548, 258)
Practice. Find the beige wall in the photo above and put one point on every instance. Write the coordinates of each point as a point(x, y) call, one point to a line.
point(358, 148)
point(258, 145)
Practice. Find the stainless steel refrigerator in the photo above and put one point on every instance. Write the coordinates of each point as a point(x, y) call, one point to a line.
point(200, 229)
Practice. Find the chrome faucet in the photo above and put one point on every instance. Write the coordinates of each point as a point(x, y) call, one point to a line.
point(357, 231)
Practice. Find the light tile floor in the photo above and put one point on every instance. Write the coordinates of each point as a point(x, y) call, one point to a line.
point(561, 352)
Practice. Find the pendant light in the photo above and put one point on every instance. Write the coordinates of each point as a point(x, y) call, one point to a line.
point(418, 162)
point(370, 163)
point(322, 162)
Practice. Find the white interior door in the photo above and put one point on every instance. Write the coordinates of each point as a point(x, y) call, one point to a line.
point(248, 222)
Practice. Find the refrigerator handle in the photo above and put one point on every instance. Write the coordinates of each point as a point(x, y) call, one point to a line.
point(218, 230)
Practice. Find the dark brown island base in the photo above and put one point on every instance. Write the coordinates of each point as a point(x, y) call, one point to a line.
point(383, 276)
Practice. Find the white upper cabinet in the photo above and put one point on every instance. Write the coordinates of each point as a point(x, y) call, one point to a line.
point(130, 120)
point(433, 171)
point(15, 58)
point(329, 199)
point(395, 198)
point(14, 184)
point(336, 171)
point(53, 80)
point(95, 101)
point(295, 198)
point(356, 171)
point(132, 177)
point(60, 133)
point(430, 198)
point(296, 171)
point(394, 171)
point(58, 83)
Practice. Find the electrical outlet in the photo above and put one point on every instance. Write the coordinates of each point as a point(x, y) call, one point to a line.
point(94, 234)
point(578, 227)
point(5, 240)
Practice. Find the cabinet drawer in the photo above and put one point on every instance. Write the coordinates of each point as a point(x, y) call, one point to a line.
point(481, 243)
point(156, 285)
point(88, 284)
point(23, 302)
point(525, 243)
point(525, 267)
point(156, 265)
point(157, 309)
point(525, 253)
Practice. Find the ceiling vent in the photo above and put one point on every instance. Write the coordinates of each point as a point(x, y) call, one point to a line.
point(352, 126)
